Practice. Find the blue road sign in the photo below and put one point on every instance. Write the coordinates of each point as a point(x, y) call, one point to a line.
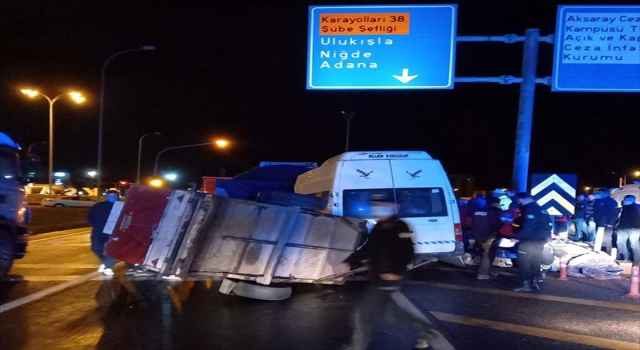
point(555, 193)
point(381, 47)
point(597, 48)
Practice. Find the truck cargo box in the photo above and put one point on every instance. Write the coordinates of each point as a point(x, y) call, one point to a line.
point(200, 235)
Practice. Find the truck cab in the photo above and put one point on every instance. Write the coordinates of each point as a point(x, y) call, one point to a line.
point(14, 211)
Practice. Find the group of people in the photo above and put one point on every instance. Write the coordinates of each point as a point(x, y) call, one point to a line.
point(530, 228)
point(621, 225)
point(487, 220)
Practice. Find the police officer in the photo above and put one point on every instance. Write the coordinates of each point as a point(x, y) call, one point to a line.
point(486, 227)
point(532, 235)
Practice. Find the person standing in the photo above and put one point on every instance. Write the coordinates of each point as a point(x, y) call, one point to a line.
point(589, 221)
point(97, 218)
point(476, 203)
point(605, 214)
point(629, 230)
point(577, 219)
point(532, 235)
point(387, 252)
point(486, 226)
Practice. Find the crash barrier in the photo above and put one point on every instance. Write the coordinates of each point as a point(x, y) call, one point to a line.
point(563, 269)
point(633, 290)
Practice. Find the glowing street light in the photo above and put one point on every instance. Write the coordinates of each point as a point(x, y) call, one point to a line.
point(74, 95)
point(171, 176)
point(623, 179)
point(220, 143)
point(156, 183)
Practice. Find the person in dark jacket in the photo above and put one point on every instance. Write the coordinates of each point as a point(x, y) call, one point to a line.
point(476, 203)
point(605, 214)
point(534, 232)
point(97, 218)
point(577, 219)
point(387, 252)
point(486, 226)
point(628, 230)
point(589, 220)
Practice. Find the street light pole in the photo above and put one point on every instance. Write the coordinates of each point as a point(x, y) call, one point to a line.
point(101, 116)
point(140, 152)
point(76, 96)
point(348, 116)
point(220, 143)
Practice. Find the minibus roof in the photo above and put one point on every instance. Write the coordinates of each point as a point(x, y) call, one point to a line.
point(376, 155)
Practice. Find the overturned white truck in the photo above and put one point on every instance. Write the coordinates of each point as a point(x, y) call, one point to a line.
point(258, 248)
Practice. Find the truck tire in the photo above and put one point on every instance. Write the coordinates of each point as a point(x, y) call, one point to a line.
point(7, 252)
point(304, 201)
point(260, 292)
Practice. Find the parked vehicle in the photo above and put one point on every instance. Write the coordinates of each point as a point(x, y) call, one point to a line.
point(14, 211)
point(418, 183)
point(68, 201)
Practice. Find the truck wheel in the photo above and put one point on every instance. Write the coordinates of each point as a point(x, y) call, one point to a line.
point(292, 199)
point(7, 252)
point(260, 292)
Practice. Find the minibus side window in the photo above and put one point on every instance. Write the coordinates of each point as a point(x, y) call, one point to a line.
point(421, 202)
point(356, 202)
point(413, 202)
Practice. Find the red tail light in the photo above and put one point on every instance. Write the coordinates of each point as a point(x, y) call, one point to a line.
point(458, 231)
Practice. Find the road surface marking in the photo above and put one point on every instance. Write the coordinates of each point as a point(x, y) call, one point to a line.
point(55, 266)
point(606, 304)
point(51, 236)
point(55, 289)
point(537, 332)
point(45, 278)
point(46, 292)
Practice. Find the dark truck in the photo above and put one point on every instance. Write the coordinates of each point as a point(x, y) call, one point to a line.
point(14, 211)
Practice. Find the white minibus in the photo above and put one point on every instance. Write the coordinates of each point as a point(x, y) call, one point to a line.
point(419, 184)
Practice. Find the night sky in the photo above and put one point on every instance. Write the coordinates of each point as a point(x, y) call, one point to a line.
point(239, 71)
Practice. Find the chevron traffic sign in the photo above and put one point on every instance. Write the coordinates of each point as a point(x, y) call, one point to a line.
point(555, 192)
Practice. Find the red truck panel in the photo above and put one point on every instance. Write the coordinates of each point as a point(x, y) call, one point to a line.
point(132, 235)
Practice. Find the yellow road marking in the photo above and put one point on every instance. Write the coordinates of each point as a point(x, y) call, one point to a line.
point(537, 332)
point(606, 304)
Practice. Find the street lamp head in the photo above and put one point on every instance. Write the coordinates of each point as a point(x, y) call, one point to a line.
point(157, 133)
point(222, 143)
point(29, 92)
point(148, 47)
point(156, 182)
point(77, 97)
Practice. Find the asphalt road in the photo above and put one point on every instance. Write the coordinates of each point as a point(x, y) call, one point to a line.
point(56, 300)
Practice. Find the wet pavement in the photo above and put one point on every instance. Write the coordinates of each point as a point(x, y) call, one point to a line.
point(124, 312)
